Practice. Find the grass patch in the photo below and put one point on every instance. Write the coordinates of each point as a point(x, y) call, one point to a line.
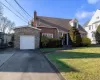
point(78, 64)
point(46, 50)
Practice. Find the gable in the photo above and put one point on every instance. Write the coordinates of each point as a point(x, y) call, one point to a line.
point(95, 17)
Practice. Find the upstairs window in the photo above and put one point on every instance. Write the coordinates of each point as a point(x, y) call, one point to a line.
point(75, 24)
point(97, 17)
point(89, 27)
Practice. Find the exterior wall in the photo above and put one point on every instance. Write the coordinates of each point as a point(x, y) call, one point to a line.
point(92, 26)
point(26, 31)
point(49, 30)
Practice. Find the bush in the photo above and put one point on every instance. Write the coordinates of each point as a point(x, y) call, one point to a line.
point(86, 41)
point(46, 42)
point(53, 43)
point(75, 37)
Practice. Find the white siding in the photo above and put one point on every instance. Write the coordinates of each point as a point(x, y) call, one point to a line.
point(92, 26)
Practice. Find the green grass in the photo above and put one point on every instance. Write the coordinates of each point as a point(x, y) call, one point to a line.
point(46, 50)
point(78, 64)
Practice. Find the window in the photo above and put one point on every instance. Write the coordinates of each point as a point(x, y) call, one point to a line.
point(97, 17)
point(96, 25)
point(61, 33)
point(49, 35)
point(89, 27)
point(93, 34)
point(75, 24)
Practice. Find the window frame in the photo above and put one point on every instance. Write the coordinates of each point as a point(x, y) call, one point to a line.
point(49, 35)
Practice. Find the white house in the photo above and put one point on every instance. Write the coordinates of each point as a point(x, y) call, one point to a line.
point(91, 26)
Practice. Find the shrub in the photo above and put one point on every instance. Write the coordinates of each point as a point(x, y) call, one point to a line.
point(86, 41)
point(53, 43)
point(75, 37)
point(46, 42)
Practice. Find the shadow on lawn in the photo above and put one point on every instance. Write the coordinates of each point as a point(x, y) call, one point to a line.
point(64, 67)
point(72, 55)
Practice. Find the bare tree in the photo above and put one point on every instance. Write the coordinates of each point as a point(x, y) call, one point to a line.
point(9, 29)
point(6, 25)
point(1, 11)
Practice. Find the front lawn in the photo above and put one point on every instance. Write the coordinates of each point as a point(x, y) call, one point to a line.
point(78, 64)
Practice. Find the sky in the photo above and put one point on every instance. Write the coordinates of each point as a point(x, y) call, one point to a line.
point(83, 10)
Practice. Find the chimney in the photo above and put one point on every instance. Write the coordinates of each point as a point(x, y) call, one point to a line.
point(35, 17)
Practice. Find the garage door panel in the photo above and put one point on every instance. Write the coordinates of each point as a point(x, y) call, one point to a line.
point(27, 42)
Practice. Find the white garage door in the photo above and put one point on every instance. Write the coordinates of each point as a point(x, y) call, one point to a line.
point(27, 42)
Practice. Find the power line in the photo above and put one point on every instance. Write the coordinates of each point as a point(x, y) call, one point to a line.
point(22, 8)
point(16, 10)
point(12, 11)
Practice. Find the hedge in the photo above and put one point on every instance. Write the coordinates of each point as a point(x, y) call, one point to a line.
point(46, 42)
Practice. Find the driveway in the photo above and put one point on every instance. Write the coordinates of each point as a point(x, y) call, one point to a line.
point(5, 55)
point(27, 65)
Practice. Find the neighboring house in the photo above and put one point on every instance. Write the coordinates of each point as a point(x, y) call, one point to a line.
point(1, 37)
point(91, 26)
point(4, 39)
point(56, 27)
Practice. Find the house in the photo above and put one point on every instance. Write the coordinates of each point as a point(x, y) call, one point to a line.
point(56, 27)
point(4, 39)
point(91, 26)
point(1, 37)
point(26, 37)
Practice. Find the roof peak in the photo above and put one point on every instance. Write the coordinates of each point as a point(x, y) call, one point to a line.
point(54, 17)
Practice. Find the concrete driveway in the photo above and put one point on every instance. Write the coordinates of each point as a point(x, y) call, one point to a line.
point(27, 65)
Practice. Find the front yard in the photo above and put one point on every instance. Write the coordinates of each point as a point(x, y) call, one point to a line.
point(78, 64)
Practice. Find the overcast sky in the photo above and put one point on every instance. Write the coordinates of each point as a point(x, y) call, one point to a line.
point(80, 9)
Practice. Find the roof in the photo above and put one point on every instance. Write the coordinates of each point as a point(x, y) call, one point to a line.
point(26, 27)
point(86, 23)
point(59, 23)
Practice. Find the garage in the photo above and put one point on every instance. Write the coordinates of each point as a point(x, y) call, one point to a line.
point(27, 37)
point(23, 42)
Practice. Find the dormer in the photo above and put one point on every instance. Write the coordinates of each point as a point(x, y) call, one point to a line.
point(74, 23)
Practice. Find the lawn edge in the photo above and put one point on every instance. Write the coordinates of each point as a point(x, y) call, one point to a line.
point(54, 67)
